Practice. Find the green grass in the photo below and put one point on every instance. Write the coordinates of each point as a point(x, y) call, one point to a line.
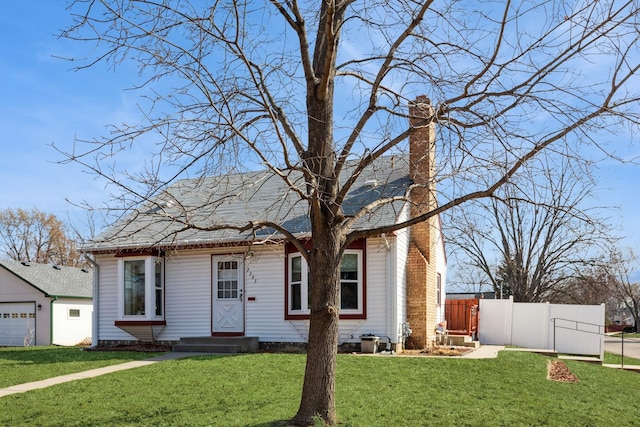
point(616, 359)
point(264, 390)
point(20, 365)
point(633, 335)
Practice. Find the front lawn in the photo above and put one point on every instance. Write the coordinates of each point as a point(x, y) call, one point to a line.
point(264, 390)
point(19, 365)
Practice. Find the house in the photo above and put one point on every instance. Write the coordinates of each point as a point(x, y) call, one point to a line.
point(44, 304)
point(157, 281)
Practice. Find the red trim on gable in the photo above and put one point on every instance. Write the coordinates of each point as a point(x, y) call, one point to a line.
point(291, 248)
point(148, 252)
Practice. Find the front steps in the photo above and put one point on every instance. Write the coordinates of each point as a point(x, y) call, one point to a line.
point(228, 345)
point(460, 341)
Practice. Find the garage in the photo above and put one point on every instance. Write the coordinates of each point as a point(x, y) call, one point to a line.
point(17, 324)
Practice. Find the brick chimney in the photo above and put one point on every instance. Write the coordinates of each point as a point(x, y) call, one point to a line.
point(421, 263)
point(422, 153)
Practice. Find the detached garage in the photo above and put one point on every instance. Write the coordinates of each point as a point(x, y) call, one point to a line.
point(44, 304)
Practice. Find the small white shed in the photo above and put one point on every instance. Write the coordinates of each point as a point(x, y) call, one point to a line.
point(44, 304)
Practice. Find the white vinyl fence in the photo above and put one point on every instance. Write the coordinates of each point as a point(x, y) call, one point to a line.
point(565, 328)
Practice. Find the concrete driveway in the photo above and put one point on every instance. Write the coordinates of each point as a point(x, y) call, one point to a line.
point(631, 346)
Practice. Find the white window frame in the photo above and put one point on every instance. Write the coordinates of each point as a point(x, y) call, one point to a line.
point(149, 288)
point(304, 285)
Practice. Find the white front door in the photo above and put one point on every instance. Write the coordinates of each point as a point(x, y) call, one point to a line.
point(228, 295)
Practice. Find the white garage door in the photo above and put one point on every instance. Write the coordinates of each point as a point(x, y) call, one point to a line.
point(17, 324)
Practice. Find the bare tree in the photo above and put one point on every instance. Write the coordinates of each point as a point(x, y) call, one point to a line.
point(591, 286)
point(616, 272)
point(302, 87)
point(35, 236)
point(536, 235)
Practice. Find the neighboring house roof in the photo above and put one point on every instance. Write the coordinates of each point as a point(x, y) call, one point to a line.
point(471, 295)
point(53, 280)
point(236, 199)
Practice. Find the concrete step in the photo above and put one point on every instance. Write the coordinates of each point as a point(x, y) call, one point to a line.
point(217, 344)
point(208, 348)
point(461, 341)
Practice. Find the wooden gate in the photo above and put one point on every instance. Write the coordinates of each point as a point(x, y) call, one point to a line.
point(462, 316)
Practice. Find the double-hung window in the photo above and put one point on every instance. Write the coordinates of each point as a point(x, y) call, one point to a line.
point(352, 286)
point(141, 288)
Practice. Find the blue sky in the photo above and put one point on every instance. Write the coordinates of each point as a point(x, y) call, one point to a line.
point(43, 102)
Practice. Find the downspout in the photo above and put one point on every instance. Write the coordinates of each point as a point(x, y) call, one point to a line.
point(94, 317)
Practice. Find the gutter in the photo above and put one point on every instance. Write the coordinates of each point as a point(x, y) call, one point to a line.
point(96, 283)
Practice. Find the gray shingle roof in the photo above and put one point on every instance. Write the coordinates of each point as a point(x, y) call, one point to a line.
point(236, 199)
point(53, 280)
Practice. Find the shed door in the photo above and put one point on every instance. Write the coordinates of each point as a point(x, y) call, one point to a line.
point(228, 295)
point(17, 324)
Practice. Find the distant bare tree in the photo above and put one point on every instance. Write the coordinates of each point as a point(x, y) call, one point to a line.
point(592, 285)
point(299, 88)
point(616, 272)
point(35, 236)
point(534, 237)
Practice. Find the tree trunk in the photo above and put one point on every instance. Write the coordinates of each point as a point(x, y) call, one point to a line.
point(328, 239)
point(318, 392)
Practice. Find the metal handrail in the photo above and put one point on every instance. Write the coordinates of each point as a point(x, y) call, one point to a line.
point(600, 327)
point(622, 347)
point(553, 319)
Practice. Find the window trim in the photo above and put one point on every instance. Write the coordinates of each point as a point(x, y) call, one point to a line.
point(149, 288)
point(357, 247)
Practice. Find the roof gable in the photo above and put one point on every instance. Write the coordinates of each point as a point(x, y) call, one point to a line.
point(53, 280)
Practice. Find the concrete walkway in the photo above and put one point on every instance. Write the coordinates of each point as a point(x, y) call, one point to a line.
point(484, 352)
point(21, 388)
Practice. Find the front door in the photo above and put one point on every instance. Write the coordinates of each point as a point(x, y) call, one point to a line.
point(228, 295)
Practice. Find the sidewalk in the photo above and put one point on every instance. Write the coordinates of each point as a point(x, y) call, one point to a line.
point(21, 388)
point(484, 352)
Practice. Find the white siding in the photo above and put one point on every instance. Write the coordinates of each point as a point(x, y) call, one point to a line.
point(265, 283)
point(377, 296)
point(441, 268)
point(402, 250)
point(265, 306)
point(188, 296)
point(69, 330)
point(108, 300)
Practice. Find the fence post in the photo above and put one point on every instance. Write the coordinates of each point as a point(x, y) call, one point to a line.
point(622, 356)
